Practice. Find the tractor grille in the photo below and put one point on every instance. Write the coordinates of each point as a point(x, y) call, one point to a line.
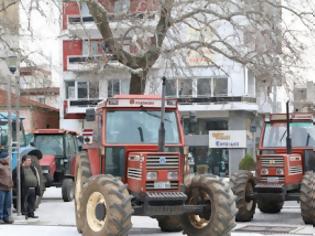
point(295, 170)
point(162, 162)
point(134, 173)
point(271, 161)
point(150, 186)
point(273, 179)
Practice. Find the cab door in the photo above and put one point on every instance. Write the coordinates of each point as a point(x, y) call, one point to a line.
point(71, 153)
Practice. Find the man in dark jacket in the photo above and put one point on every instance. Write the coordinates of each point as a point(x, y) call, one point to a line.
point(30, 186)
point(6, 185)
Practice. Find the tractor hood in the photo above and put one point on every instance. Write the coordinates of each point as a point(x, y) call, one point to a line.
point(48, 160)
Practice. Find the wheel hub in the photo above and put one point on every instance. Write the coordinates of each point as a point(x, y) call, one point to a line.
point(200, 221)
point(96, 211)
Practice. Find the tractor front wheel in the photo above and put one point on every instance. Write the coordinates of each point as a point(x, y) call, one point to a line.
point(67, 190)
point(106, 206)
point(83, 173)
point(219, 217)
point(169, 223)
point(243, 184)
point(307, 198)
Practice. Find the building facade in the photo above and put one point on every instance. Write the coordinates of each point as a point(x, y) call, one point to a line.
point(209, 99)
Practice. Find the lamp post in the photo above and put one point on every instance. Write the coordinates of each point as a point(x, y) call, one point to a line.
point(13, 63)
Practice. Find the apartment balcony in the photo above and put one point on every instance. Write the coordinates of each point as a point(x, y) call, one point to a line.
point(82, 63)
point(84, 26)
point(74, 109)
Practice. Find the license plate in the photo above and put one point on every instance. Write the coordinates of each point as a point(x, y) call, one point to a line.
point(162, 185)
point(273, 179)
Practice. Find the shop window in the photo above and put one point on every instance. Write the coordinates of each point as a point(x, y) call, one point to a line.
point(82, 89)
point(204, 87)
point(220, 87)
point(70, 89)
point(171, 88)
point(185, 88)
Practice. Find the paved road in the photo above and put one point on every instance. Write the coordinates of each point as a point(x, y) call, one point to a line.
point(57, 219)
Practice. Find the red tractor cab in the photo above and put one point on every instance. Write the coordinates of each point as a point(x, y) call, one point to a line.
point(285, 168)
point(60, 150)
point(137, 162)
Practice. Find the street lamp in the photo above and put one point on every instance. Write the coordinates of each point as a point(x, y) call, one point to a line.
point(13, 65)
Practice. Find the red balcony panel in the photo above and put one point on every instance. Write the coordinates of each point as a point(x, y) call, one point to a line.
point(137, 6)
point(69, 8)
point(71, 48)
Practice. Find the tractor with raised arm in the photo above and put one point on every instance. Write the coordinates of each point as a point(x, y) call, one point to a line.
point(285, 168)
point(135, 166)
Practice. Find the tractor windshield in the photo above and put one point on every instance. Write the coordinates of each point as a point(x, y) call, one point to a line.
point(49, 144)
point(302, 134)
point(140, 127)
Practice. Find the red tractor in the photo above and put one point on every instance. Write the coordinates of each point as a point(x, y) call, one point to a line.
point(137, 162)
point(60, 151)
point(285, 168)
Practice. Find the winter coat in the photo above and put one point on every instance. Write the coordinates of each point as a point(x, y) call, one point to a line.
point(6, 182)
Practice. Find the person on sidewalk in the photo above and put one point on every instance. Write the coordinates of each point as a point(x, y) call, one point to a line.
point(29, 186)
point(6, 185)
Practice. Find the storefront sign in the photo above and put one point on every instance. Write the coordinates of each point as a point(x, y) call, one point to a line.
point(227, 139)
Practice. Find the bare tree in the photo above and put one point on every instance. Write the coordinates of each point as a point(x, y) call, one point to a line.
point(252, 33)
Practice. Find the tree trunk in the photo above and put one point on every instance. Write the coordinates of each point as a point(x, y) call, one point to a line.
point(137, 83)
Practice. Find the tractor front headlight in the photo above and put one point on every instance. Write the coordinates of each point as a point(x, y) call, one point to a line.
point(264, 171)
point(280, 171)
point(172, 175)
point(151, 176)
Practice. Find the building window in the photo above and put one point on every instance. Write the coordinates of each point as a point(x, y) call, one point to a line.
point(42, 99)
point(82, 90)
point(185, 88)
point(92, 47)
point(94, 89)
point(121, 6)
point(220, 87)
point(171, 88)
point(70, 89)
point(204, 87)
point(113, 87)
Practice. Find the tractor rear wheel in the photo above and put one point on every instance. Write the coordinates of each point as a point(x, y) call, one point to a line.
point(169, 223)
point(243, 184)
point(83, 173)
point(67, 190)
point(307, 198)
point(219, 217)
point(270, 206)
point(106, 206)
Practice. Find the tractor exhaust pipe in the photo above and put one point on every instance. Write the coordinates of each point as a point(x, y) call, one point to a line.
point(162, 127)
point(289, 140)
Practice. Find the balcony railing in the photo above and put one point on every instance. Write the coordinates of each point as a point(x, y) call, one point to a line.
point(86, 63)
point(189, 100)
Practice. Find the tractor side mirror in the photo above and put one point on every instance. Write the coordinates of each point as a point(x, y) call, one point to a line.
point(90, 115)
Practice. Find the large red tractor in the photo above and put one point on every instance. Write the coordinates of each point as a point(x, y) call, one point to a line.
point(137, 161)
point(60, 150)
point(285, 168)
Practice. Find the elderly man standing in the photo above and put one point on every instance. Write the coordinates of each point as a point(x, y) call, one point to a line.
point(6, 185)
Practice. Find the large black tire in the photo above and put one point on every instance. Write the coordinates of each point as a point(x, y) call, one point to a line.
point(270, 206)
point(219, 220)
point(243, 184)
point(67, 190)
point(106, 206)
point(83, 173)
point(169, 223)
point(41, 176)
point(307, 198)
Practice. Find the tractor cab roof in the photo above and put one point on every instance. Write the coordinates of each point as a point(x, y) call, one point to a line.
point(294, 117)
point(134, 101)
point(54, 131)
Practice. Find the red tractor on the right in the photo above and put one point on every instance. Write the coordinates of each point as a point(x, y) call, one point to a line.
point(285, 169)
